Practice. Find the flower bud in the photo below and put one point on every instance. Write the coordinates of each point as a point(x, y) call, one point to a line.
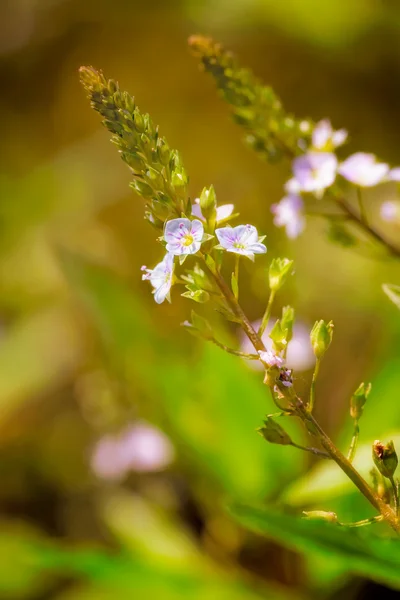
point(385, 458)
point(320, 515)
point(274, 433)
point(287, 321)
point(358, 400)
point(208, 203)
point(279, 336)
point(278, 271)
point(321, 337)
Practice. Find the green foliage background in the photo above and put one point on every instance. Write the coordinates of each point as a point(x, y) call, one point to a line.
point(84, 349)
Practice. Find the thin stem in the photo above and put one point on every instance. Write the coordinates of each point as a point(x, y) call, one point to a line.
point(374, 233)
point(267, 313)
point(395, 495)
point(315, 451)
point(233, 351)
point(363, 214)
point(313, 382)
point(354, 441)
point(364, 522)
point(236, 292)
point(311, 424)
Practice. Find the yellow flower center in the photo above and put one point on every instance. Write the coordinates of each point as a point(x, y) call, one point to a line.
point(239, 246)
point(187, 240)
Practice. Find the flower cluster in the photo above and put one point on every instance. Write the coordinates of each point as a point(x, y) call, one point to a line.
point(317, 170)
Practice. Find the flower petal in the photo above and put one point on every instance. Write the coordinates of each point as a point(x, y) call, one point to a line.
point(197, 230)
point(226, 236)
point(224, 211)
point(176, 228)
point(257, 248)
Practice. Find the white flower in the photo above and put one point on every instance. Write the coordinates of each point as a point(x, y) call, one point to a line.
point(242, 239)
point(288, 213)
point(271, 359)
point(314, 171)
point(183, 236)
point(364, 170)
point(140, 447)
point(390, 211)
point(161, 278)
point(223, 212)
point(325, 138)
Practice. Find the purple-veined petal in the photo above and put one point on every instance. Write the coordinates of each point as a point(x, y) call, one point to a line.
point(257, 248)
point(176, 228)
point(197, 230)
point(226, 236)
point(315, 171)
point(196, 211)
point(161, 293)
point(247, 235)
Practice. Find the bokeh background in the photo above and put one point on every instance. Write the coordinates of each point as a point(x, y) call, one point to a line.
point(88, 361)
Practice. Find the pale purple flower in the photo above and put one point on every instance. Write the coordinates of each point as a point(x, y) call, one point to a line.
point(271, 359)
point(161, 278)
point(140, 448)
point(223, 212)
point(299, 353)
point(390, 211)
point(288, 213)
point(363, 169)
point(325, 138)
point(183, 236)
point(315, 171)
point(242, 239)
point(285, 377)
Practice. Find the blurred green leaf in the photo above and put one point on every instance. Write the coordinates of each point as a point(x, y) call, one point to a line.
point(362, 552)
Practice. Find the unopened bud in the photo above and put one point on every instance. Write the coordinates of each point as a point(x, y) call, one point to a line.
point(274, 433)
point(358, 400)
point(320, 515)
point(287, 321)
point(278, 271)
point(321, 337)
point(208, 203)
point(385, 458)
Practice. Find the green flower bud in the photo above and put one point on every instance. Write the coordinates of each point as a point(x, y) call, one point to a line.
point(274, 433)
point(385, 458)
point(287, 321)
point(278, 271)
point(208, 204)
point(321, 337)
point(320, 515)
point(279, 337)
point(358, 400)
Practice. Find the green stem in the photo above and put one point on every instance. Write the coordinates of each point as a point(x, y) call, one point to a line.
point(267, 313)
point(354, 441)
point(315, 451)
point(237, 259)
point(364, 522)
point(363, 214)
point(311, 424)
point(233, 351)
point(395, 495)
point(313, 382)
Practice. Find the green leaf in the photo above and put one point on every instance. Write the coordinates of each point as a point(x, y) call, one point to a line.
point(362, 552)
point(392, 292)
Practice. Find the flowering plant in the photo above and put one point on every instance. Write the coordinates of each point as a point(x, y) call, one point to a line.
point(200, 232)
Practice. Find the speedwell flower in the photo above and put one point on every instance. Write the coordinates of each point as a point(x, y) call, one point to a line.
point(288, 213)
point(161, 278)
point(326, 138)
point(223, 212)
point(363, 169)
point(183, 236)
point(242, 239)
point(314, 171)
point(390, 211)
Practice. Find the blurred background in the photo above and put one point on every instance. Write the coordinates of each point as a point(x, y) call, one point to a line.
point(122, 439)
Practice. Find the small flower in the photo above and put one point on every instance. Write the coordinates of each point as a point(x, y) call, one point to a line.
point(315, 171)
point(242, 239)
point(390, 211)
point(161, 278)
point(223, 212)
point(394, 174)
point(183, 236)
point(325, 138)
point(288, 213)
point(140, 447)
point(271, 359)
point(363, 169)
